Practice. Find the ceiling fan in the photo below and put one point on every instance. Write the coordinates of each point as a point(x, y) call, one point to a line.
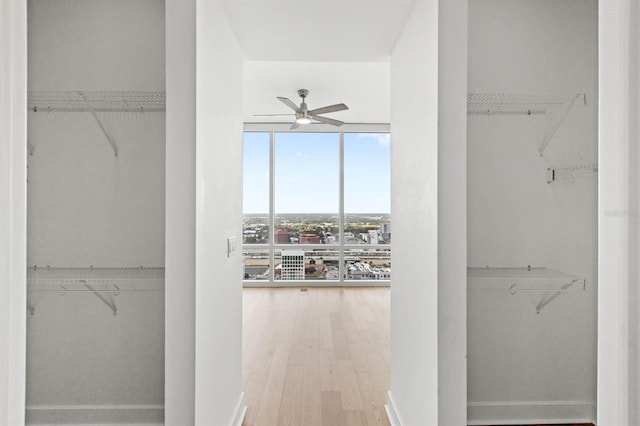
point(304, 115)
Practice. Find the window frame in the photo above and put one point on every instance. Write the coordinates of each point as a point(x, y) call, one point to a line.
point(340, 247)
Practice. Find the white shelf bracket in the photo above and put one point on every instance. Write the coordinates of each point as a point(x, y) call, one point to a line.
point(104, 131)
point(557, 116)
point(106, 300)
point(550, 298)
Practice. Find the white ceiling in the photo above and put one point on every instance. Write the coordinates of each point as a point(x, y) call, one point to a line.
point(317, 30)
point(337, 49)
point(364, 87)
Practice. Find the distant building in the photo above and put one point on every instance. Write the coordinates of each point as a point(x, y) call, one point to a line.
point(292, 267)
point(308, 239)
point(364, 271)
point(385, 231)
point(332, 239)
point(282, 236)
point(349, 238)
point(373, 236)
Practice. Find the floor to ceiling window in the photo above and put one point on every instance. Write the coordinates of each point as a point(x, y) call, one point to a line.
point(317, 206)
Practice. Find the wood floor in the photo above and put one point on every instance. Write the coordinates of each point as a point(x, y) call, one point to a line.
point(316, 358)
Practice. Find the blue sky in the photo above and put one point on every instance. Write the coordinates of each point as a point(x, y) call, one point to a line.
point(307, 172)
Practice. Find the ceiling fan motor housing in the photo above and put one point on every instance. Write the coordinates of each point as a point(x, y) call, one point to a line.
point(303, 106)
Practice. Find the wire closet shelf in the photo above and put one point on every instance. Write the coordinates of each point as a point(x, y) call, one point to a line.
point(522, 279)
point(93, 279)
point(571, 174)
point(519, 104)
point(96, 101)
point(517, 279)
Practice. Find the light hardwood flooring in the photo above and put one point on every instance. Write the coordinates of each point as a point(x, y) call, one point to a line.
point(316, 358)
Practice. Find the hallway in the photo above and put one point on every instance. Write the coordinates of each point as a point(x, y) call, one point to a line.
point(316, 357)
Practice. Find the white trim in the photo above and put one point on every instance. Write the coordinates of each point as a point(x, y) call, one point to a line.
point(617, 382)
point(272, 207)
point(392, 411)
point(101, 424)
point(13, 233)
point(520, 403)
point(239, 412)
point(341, 268)
point(347, 127)
point(120, 414)
point(550, 421)
point(530, 412)
point(96, 407)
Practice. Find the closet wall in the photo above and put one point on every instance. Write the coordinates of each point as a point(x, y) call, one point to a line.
point(87, 206)
point(525, 366)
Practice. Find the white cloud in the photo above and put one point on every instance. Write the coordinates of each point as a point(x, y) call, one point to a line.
point(383, 139)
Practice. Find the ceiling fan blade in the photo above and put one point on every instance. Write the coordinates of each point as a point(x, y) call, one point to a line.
point(271, 115)
point(330, 108)
point(294, 126)
point(327, 120)
point(289, 103)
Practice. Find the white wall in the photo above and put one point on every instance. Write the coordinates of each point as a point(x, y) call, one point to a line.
point(452, 212)
point(96, 45)
point(428, 293)
point(525, 366)
point(180, 259)
point(619, 207)
point(413, 397)
point(218, 399)
point(89, 207)
point(13, 87)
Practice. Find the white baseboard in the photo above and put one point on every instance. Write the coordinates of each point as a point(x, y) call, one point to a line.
point(95, 414)
point(392, 411)
point(96, 424)
point(531, 412)
point(239, 412)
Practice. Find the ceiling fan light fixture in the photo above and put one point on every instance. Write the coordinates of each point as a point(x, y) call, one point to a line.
point(303, 120)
